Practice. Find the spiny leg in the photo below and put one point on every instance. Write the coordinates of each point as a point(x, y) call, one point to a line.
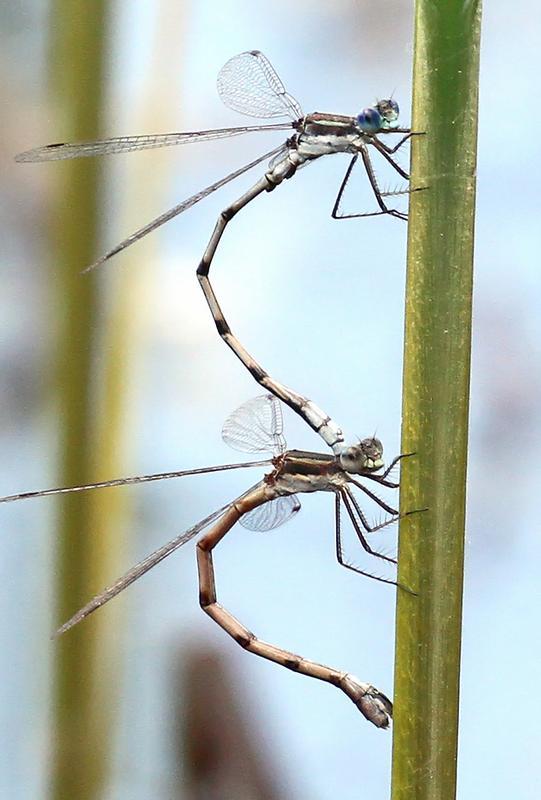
point(383, 482)
point(391, 150)
point(375, 189)
point(334, 212)
point(394, 164)
point(375, 706)
point(352, 567)
point(402, 172)
point(382, 479)
point(339, 551)
point(385, 506)
point(361, 515)
point(351, 507)
point(320, 422)
point(387, 152)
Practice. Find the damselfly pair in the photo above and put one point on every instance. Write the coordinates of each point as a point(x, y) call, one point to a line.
point(249, 84)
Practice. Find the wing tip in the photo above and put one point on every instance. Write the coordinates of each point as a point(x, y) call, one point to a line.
point(40, 153)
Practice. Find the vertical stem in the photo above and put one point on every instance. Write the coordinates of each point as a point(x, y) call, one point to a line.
point(93, 389)
point(81, 723)
point(436, 394)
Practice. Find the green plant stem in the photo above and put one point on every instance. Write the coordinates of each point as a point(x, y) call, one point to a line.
point(436, 396)
point(81, 720)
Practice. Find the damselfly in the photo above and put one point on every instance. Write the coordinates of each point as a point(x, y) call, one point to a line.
point(257, 427)
point(249, 84)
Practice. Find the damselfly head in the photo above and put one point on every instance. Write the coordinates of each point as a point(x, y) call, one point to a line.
point(389, 111)
point(370, 120)
point(367, 456)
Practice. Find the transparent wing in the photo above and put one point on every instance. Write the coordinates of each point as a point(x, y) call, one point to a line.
point(272, 514)
point(256, 426)
point(180, 208)
point(127, 144)
point(138, 570)
point(129, 481)
point(249, 84)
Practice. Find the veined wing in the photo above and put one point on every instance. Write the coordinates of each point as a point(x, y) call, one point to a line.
point(248, 83)
point(184, 206)
point(128, 144)
point(129, 481)
point(138, 570)
point(272, 514)
point(256, 427)
point(147, 564)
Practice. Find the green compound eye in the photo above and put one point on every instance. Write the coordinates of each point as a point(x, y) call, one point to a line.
point(389, 111)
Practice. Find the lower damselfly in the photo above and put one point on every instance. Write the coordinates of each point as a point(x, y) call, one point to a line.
point(257, 427)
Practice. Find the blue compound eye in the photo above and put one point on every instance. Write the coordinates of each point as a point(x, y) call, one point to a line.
point(389, 110)
point(370, 120)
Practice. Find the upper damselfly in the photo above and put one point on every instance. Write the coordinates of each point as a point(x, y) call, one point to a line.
point(249, 84)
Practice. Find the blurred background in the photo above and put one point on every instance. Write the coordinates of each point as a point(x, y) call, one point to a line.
point(121, 372)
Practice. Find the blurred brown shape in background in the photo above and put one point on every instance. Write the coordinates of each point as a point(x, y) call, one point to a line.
point(223, 748)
